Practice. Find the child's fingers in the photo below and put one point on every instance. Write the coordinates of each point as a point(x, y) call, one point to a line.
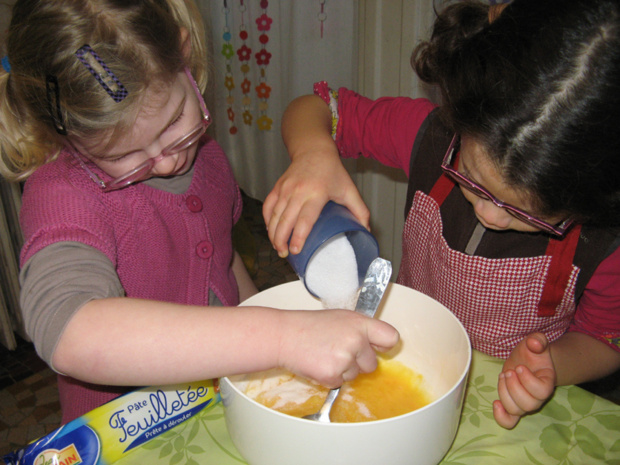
point(381, 335)
point(526, 391)
point(539, 385)
point(282, 228)
point(354, 202)
point(350, 366)
point(366, 362)
point(281, 223)
point(273, 207)
point(537, 343)
point(365, 359)
point(308, 214)
point(506, 395)
point(350, 374)
point(502, 417)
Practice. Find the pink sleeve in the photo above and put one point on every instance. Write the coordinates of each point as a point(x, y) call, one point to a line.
point(383, 129)
point(598, 311)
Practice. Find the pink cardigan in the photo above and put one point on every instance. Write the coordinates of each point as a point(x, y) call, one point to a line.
point(164, 246)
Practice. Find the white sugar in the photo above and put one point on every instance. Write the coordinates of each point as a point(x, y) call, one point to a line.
point(332, 273)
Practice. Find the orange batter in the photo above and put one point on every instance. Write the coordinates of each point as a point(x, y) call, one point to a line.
point(391, 390)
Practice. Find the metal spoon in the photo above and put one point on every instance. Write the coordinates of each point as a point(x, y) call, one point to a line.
point(375, 283)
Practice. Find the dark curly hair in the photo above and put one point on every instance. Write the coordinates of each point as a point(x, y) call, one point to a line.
point(539, 88)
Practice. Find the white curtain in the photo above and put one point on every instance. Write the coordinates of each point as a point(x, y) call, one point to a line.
point(388, 32)
point(309, 40)
point(366, 45)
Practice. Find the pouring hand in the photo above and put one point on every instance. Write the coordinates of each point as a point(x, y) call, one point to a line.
point(332, 346)
point(527, 380)
point(315, 176)
point(300, 194)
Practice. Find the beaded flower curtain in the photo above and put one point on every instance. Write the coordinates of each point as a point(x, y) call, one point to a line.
point(266, 53)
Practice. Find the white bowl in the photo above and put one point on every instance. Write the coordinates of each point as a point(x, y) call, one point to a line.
point(433, 343)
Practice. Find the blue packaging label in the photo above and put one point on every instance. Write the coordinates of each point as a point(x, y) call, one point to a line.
point(109, 432)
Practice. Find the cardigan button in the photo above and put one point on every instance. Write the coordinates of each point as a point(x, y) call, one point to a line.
point(194, 204)
point(204, 249)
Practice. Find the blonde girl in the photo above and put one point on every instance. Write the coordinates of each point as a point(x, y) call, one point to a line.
point(128, 275)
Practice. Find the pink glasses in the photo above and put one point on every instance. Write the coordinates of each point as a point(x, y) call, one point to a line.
point(142, 171)
point(448, 168)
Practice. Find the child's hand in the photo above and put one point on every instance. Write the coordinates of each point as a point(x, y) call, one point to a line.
point(300, 194)
point(333, 346)
point(526, 382)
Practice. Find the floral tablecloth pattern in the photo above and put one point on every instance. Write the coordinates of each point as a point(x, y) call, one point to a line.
point(575, 427)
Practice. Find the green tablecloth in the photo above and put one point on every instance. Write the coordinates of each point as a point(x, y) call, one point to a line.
point(575, 427)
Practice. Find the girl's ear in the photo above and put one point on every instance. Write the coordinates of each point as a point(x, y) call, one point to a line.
point(186, 44)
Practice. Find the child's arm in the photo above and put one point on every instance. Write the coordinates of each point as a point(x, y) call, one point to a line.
point(315, 176)
point(124, 341)
point(535, 367)
point(579, 358)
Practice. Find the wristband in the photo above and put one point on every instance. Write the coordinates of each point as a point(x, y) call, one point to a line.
point(330, 97)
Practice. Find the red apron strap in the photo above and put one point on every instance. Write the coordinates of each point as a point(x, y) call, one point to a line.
point(444, 185)
point(442, 188)
point(562, 254)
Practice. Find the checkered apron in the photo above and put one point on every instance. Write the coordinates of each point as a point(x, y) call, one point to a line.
point(499, 301)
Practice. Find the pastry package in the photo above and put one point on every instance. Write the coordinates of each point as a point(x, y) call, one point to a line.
point(110, 432)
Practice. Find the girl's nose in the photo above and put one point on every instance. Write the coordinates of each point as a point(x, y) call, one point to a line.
point(492, 214)
point(164, 164)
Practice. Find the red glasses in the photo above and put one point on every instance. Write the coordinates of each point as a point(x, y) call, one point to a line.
point(142, 171)
point(448, 168)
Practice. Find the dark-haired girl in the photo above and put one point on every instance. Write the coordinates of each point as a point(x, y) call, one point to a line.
point(513, 204)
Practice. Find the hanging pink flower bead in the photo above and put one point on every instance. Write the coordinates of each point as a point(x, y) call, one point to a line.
point(263, 57)
point(244, 53)
point(231, 114)
point(263, 90)
point(264, 22)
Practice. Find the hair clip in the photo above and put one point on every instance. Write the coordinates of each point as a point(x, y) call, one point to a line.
point(5, 64)
point(53, 104)
point(101, 72)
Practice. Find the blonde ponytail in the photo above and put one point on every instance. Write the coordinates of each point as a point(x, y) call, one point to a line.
point(21, 147)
